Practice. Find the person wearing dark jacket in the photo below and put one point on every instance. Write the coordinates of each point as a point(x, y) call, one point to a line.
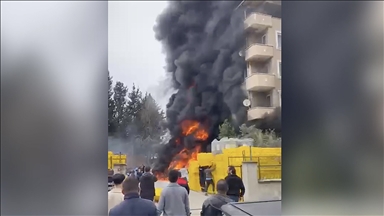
point(133, 205)
point(236, 188)
point(139, 173)
point(212, 205)
point(183, 183)
point(202, 178)
point(110, 179)
point(147, 184)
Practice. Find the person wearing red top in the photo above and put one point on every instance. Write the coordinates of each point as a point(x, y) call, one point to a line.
point(183, 182)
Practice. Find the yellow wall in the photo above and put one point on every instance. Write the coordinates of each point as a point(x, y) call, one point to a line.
point(269, 163)
point(116, 159)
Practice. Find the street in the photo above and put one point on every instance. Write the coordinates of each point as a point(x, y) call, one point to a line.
point(196, 199)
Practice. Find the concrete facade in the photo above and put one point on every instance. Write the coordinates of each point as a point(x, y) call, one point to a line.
point(263, 56)
point(258, 190)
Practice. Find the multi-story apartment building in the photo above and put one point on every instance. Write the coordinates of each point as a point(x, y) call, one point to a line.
point(263, 56)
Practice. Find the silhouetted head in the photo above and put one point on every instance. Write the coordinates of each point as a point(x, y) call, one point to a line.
point(231, 170)
point(130, 185)
point(147, 169)
point(222, 187)
point(173, 175)
point(118, 179)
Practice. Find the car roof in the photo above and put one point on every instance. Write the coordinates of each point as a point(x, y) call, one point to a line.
point(272, 207)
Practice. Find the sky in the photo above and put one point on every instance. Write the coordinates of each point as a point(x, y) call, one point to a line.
point(134, 55)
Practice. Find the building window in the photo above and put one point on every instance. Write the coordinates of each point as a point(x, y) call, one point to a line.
point(278, 40)
point(264, 39)
point(269, 101)
point(279, 68)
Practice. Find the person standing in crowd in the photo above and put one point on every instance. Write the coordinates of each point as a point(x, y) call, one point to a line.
point(202, 178)
point(174, 199)
point(183, 183)
point(133, 205)
point(115, 196)
point(139, 173)
point(236, 188)
point(209, 178)
point(110, 179)
point(147, 184)
point(212, 205)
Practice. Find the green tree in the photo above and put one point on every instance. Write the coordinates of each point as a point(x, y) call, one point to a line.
point(111, 108)
point(151, 117)
point(227, 130)
point(134, 105)
point(119, 96)
point(260, 138)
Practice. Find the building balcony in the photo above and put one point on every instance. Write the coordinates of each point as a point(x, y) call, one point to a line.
point(259, 52)
point(259, 112)
point(258, 22)
point(260, 82)
point(255, 4)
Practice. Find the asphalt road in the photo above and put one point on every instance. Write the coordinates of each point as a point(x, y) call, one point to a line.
point(196, 199)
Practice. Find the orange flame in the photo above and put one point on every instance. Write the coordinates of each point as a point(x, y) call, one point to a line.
point(201, 135)
point(195, 153)
point(189, 126)
point(182, 159)
point(185, 156)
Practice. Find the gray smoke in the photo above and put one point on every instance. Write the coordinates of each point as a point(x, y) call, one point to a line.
point(202, 41)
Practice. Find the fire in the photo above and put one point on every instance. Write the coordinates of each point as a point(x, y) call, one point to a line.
point(185, 156)
point(201, 135)
point(194, 153)
point(182, 159)
point(189, 126)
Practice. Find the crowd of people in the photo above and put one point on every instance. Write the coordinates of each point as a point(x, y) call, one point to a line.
point(137, 172)
point(133, 195)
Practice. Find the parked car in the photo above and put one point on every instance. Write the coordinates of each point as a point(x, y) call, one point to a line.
point(272, 207)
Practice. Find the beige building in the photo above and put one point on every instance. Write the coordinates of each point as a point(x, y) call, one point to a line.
point(263, 56)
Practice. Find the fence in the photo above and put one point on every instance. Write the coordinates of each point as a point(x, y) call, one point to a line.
point(269, 167)
point(268, 160)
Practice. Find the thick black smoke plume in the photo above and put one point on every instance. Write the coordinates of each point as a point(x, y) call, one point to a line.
point(202, 41)
point(271, 121)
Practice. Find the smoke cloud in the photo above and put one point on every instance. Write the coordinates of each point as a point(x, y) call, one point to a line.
point(271, 121)
point(202, 41)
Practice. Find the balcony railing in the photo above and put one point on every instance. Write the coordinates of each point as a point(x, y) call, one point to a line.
point(258, 112)
point(258, 21)
point(260, 81)
point(259, 52)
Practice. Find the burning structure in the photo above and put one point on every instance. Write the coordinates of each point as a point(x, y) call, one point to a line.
point(202, 41)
